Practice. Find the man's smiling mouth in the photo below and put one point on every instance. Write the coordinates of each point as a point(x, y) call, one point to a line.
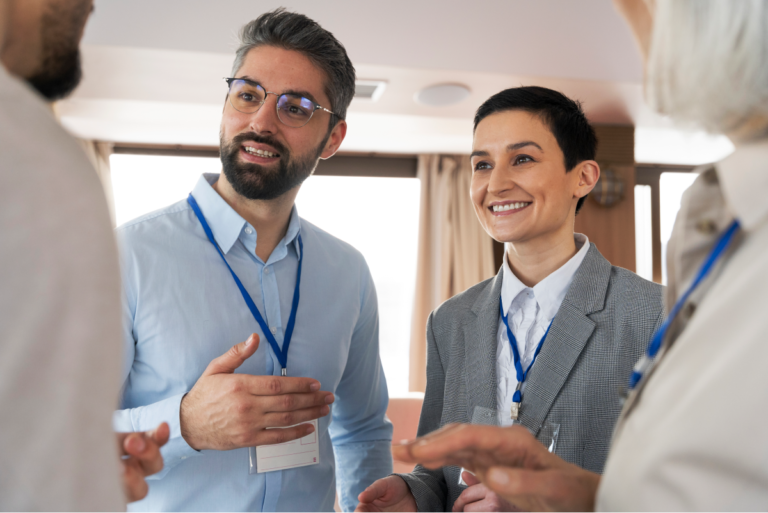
point(260, 153)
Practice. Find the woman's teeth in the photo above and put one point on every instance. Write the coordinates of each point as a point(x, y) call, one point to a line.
point(510, 206)
point(260, 153)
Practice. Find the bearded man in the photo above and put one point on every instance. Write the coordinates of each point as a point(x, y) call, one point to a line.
point(234, 262)
point(59, 287)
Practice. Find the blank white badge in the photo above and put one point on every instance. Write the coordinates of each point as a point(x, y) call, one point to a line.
point(296, 453)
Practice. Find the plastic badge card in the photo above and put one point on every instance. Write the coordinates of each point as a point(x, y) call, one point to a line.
point(548, 433)
point(296, 453)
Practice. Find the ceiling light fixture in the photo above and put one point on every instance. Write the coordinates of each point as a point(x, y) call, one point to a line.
point(442, 95)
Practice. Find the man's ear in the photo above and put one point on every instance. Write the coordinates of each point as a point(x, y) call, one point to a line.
point(588, 172)
point(334, 140)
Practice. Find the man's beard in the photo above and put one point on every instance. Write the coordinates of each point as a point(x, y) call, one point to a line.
point(253, 181)
point(60, 69)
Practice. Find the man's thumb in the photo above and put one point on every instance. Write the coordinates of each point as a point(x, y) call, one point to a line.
point(234, 358)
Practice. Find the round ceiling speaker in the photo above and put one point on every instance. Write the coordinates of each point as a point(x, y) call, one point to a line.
point(441, 95)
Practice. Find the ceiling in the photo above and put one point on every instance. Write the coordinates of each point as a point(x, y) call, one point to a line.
point(153, 69)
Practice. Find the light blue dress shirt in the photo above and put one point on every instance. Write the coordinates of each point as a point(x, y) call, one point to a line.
point(183, 309)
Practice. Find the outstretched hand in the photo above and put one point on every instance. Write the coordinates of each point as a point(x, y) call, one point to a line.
point(141, 457)
point(510, 462)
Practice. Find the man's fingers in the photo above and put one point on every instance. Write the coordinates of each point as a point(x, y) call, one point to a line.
point(564, 488)
point(234, 358)
point(505, 445)
point(279, 385)
point(291, 418)
point(134, 444)
point(404, 451)
point(373, 492)
point(472, 494)
point(161, 434)
point(144, 451)
point(293, 402)
point(470, 478)
point(282, 435)
point(134, 485)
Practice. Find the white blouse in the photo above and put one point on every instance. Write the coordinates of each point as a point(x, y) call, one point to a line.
point(529, 311)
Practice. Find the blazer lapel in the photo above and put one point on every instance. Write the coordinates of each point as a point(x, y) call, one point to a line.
point(480, 349)
point(567, 338)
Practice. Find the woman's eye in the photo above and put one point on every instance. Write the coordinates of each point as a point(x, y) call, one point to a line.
point(480, 166)
point(523, 159)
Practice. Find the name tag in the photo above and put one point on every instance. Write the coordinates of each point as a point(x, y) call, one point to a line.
point(296, 453)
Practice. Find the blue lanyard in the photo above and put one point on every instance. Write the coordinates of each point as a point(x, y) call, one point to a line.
point(518, 396)
point(282, 354)
point(653, 348)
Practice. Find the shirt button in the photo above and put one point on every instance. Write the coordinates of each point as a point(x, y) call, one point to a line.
point(248, 230)
point(266, 270)
point(273, 329)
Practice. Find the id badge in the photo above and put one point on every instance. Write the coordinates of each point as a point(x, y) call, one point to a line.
point(548, 433)
point(301, 452)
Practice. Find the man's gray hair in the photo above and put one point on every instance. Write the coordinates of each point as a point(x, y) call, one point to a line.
point(708, 64)
point(293, 31)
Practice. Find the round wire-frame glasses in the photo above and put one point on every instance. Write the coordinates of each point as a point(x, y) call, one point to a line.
point(293, 110)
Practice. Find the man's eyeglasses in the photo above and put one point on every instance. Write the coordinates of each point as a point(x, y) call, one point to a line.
point(247, 96)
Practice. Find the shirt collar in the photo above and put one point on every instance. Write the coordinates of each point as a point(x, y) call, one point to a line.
point(225, 223)
point(744, 179)
point(549, 292)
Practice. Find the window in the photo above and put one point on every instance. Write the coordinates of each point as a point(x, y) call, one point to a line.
point(378, 216)
point(643, 232)
point(671, 188)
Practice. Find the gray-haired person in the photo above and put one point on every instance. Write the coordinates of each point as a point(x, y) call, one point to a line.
point(234, 262)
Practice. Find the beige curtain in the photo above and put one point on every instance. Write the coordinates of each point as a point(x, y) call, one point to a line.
point(454, 250)
point(98, 152)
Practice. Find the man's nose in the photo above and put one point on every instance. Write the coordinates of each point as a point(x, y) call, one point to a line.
point(265, 120)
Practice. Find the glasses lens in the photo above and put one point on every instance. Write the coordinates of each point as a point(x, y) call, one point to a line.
point(246, 97)
point(294, 110)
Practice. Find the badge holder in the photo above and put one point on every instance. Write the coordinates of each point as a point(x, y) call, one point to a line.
point(296, 453)
point(548, 433)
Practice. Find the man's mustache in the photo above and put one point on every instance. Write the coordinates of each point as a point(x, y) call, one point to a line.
point(253, 136)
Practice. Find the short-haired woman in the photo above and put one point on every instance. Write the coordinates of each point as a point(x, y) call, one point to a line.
point(551, 340)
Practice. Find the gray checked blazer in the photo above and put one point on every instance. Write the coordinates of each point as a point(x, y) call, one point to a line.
point(601, 329)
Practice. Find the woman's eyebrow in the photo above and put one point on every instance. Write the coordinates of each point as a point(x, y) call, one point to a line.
point(523, 144)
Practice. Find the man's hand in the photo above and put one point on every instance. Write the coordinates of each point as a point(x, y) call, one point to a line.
point(388, 494)
point(510, 462)
point(141, 457)
point(226, 411)
point(479, 498)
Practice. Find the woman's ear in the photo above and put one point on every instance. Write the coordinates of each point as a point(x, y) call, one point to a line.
point(588, 172)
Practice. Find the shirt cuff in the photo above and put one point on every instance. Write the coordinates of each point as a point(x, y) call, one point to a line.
point(358, 465)
point(147, 418)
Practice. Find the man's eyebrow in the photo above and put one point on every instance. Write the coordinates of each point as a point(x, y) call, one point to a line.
point(478, 153)
point(305, 94)
point(522, 144)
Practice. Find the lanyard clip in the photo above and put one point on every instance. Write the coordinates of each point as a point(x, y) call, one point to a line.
point(284, 372)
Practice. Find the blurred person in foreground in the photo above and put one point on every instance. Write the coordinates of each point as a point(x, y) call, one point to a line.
point(691, 435)
point(548, 341)
point(230, 260)
point(59, 286)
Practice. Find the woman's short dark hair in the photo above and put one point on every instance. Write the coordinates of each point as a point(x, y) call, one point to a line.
point(563, 116)
point(294, 31)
